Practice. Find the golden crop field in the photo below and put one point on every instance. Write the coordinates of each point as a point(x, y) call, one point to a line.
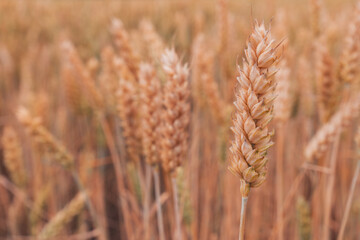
point(180, 119)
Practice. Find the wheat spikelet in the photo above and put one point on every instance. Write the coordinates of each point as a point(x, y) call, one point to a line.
point(122, 42)
point(254, 110)
point(326, 83)
point(90, 89)
point(303, 218)
point(154, 44)
point(282, 106)
point(151, 111)
point(325, 136)
point(350, 58)
point(63, 217)
point(127, 103)
point(13, 157)
point(176, 114)
point(45, 139)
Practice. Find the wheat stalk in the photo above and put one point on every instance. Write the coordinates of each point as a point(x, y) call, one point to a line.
point(254, 110)
point(351, 191)
point(282, 111)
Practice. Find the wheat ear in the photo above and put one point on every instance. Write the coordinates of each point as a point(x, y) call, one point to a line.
point(90, 89)
point(203, 72)
point(326, 82)
point(176, 114)
point(45, 139)
point(13, 157)
point(349, 61)
point(63, 217)
point(122, 42)
point(326, 135)
point(254, 110)
point(154, 44)
point(127, 103)
point(150, 97)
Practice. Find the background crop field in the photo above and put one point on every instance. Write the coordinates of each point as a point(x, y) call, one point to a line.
point(99, 131)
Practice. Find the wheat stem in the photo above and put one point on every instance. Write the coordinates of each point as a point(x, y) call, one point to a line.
point(147, 199)
point(176, 210)
point(349, 201)
point(279, 179)
point(242, 218)
point(160, 220)
point(330, 187)
point(118, 173)
point(88, 202)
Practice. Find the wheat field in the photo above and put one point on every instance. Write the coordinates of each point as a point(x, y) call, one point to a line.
point(183, 120)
